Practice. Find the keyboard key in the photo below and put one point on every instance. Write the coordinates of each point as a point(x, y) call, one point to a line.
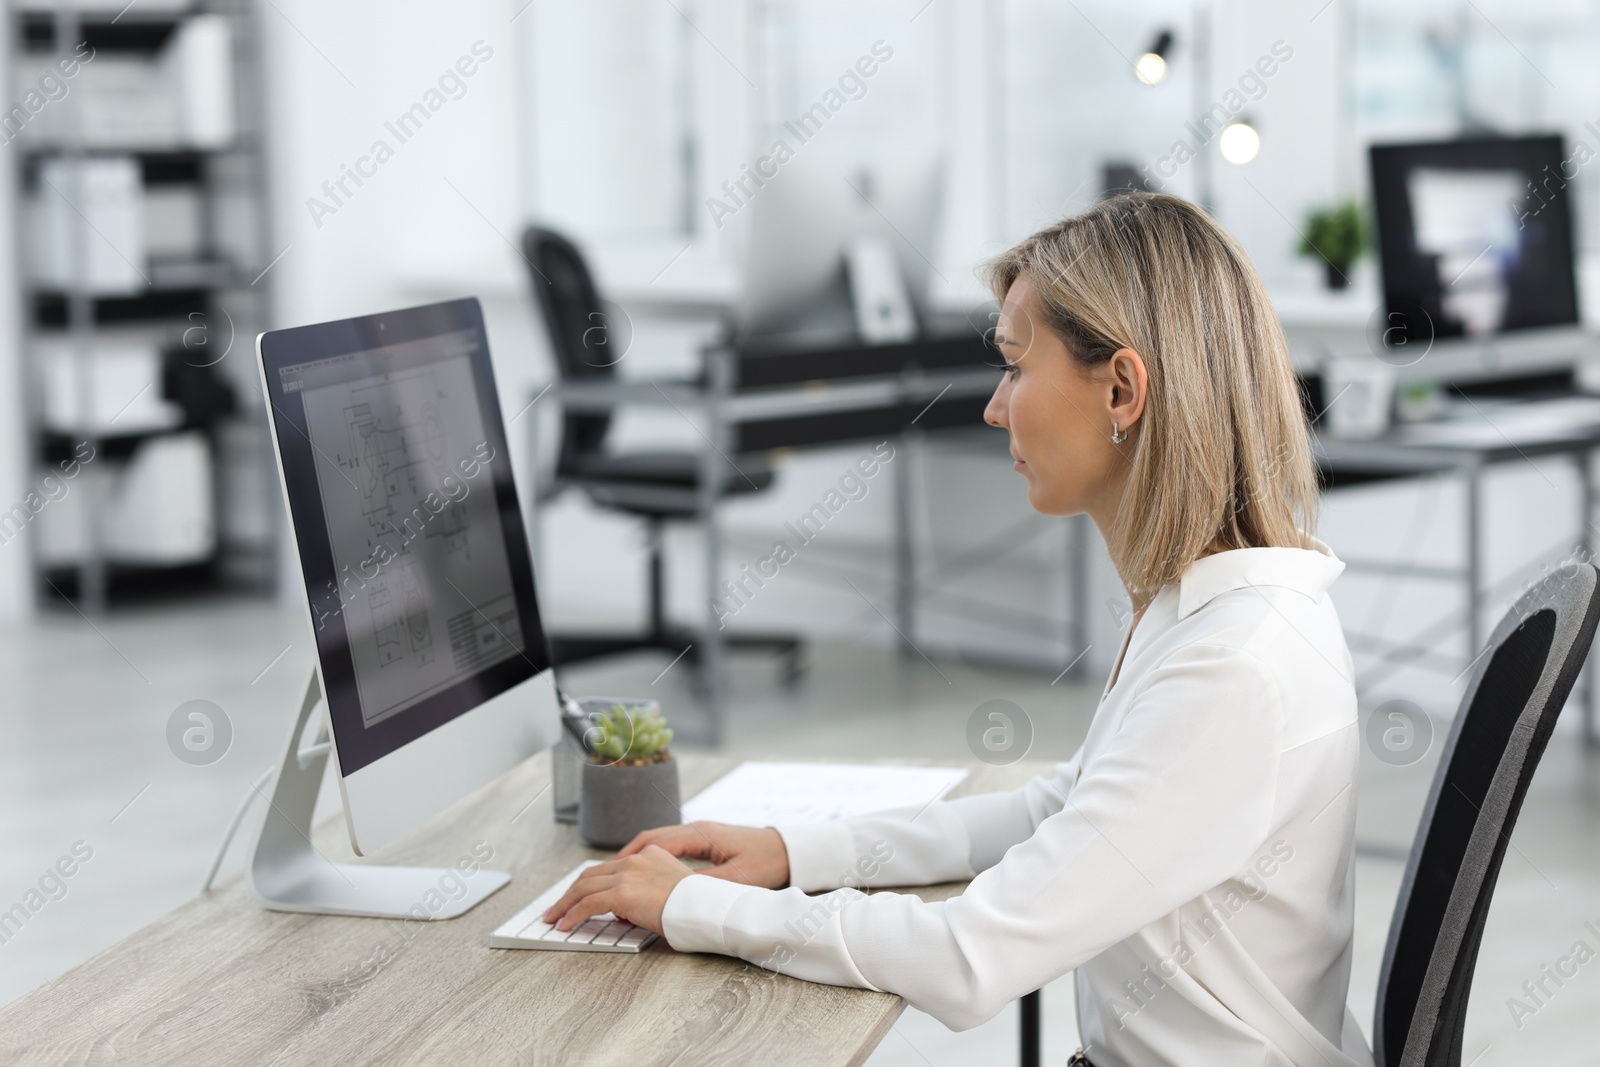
point(599, 933)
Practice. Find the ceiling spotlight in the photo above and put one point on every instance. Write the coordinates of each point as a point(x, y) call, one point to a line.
point(1151, 67)
point(1239, 143)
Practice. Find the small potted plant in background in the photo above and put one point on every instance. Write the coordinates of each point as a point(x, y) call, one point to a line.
point(1338, 236)
point(630, 783)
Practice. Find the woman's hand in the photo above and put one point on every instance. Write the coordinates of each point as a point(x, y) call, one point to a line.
point(635, 886)
point(745, 854)
point(632, 887)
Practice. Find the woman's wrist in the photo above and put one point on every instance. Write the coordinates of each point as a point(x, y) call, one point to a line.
point(781, 863)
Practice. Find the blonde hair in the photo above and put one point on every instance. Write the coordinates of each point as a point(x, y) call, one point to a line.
point(1222, 458)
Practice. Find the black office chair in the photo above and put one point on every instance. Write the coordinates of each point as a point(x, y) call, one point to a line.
point(1499, 734)
point(1500, 731)
point(657, 485)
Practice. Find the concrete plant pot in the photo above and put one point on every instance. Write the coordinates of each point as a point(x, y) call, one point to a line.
point(619, 800)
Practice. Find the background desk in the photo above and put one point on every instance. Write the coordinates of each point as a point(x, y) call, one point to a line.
point(1346, 463)
point(219, 980)
point(759, 399)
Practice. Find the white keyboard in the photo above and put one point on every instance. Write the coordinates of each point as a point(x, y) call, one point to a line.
point(1493, 422)
point(602, 933)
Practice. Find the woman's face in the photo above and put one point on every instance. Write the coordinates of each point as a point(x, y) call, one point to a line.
point(1060, 416)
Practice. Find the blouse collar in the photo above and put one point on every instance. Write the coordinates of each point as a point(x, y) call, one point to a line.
point(1309, 571)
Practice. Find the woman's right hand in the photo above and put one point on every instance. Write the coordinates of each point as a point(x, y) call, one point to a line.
point(744, 854)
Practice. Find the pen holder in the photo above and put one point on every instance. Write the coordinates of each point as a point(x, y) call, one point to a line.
point(567, 758)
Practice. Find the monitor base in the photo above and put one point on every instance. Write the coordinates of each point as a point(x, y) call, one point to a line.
point(288, 874)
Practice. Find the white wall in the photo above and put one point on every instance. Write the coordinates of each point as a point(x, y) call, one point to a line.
point(439, 218)
point(1305, 161)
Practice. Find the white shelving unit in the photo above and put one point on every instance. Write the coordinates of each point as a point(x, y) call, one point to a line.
point(138, 133)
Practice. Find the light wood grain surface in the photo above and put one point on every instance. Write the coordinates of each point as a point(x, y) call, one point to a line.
point(222, 981)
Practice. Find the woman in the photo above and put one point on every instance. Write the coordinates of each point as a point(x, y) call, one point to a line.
point(1193, 860)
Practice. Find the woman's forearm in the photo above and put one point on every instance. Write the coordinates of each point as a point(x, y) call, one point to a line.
point(942, 842)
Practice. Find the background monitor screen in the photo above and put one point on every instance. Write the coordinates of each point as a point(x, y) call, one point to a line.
point(411, 543)
point(1474, 237)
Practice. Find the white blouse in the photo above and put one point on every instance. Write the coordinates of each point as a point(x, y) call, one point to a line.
point(1192, 862)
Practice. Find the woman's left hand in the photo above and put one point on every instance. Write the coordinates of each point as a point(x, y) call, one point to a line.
point(634, 889)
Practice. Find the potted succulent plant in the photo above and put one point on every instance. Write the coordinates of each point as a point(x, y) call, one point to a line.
point(630, 783)
point(1338, 236)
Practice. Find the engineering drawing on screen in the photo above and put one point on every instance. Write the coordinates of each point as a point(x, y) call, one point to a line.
point(402, 466)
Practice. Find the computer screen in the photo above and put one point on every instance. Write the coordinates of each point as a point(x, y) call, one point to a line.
point(803, 221)
point(405, 517)
point(1474, 237)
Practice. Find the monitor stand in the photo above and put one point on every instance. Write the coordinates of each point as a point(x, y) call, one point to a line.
point(288, 874)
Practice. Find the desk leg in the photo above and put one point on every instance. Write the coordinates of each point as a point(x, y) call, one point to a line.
point(1591, 674)
point(905, 564)
point(1028, 1009)
point(1474, 575)
point(713, 470)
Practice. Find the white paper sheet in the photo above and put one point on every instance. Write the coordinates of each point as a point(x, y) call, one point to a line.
point(764, 794)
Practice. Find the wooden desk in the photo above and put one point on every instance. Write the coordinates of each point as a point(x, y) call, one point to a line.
point(220, 980)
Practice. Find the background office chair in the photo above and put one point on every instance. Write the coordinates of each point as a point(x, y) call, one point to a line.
point(657, 486)
point(1500, 731)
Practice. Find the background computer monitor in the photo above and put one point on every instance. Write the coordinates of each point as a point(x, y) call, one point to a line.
point(804, 219)
point(1475, 246)
point(433, 662)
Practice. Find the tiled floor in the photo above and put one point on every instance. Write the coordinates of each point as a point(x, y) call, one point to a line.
point(86, 759)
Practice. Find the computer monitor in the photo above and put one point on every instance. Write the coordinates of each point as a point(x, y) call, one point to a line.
point(419, 586)
point(803, 222)
point(1475, 246)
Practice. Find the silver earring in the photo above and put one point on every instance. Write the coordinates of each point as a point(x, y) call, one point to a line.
point(1117, 436)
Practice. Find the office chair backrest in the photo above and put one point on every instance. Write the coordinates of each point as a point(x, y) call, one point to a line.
point(580, 335)
point(1499, 734)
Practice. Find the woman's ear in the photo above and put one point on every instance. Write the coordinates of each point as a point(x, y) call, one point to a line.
point(1129, 386)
